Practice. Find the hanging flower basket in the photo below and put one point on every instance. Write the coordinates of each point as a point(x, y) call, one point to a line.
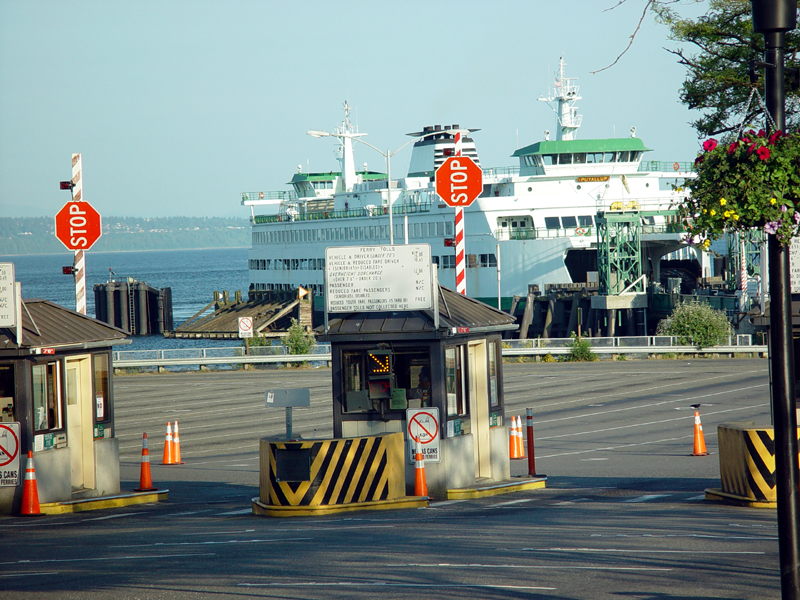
point(753, 181)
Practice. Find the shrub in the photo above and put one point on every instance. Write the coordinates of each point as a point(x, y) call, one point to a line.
point(580, 351)
point(696, 323)
point(299, 341)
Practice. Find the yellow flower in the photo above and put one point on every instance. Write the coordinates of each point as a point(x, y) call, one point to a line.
point(726, 214)
point(705, 210)
point(722, 201)
point(712, 212)
point(706, 243)
point(773, 201)
point(735, 217)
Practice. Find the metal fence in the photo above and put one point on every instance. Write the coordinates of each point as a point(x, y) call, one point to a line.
point(321, 353)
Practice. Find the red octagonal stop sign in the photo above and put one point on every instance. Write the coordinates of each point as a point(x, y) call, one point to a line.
point(459, 181)
point(78, 225)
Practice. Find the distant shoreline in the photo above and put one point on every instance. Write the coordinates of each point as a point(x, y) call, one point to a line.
point(90, 252)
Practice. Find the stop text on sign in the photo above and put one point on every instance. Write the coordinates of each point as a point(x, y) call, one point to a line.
point(459, 181)
point(78, 225)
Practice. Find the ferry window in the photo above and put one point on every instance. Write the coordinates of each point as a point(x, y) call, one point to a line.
point(448, 261)
point(552, 223)
point(7, 394)
point(579, 157)
point(448, 228)
point(488, 260)
point(569, 222)
point(565, 159)
point(585, 221)
point(101, 387)
point(295, 264)
point(415, 230)
point(47, 405)
point(435, 260)
point(454, 381)
point(537, 160)
point(303, 264)
point(440, 229)
point(624, 156)
point(635, 155)
point(321, 263)
point(609, 157)
point(550, 159)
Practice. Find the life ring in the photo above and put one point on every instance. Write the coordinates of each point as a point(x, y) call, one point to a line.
point(676, 166)
point(580, 231)
point(261, 195)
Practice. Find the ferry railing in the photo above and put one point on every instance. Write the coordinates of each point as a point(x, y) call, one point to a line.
point(321, 353)
point(370, 211)
point(285, 195)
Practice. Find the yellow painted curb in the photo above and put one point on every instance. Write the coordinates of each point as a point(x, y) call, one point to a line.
point(505, 487)
point(720, 496)
point(74, 506)
point(268, 510)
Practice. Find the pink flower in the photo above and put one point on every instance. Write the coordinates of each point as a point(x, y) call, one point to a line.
point(709, 144)
point(763, 153)
point(775, 137)
point(698, 160)
point(772, 227)
point(797, 217)
point(732, 148)
point(784, 208)
point(761, 133)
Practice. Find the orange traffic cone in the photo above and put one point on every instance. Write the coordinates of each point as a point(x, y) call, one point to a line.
point(420, 484)
point(145, 480)
point(169, 450)
point(699, 439)
point(30, 493)
point(176, 447)
point(513, 445)
point(520, 439)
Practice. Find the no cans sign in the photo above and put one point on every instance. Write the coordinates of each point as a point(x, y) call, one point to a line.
point(423, 425)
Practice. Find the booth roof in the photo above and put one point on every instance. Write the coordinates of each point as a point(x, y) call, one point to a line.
point(48, 325)
point(455, 311)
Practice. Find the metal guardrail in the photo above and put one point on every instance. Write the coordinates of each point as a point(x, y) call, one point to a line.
point(185, 357)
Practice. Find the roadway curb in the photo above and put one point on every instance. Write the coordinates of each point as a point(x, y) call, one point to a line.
point(505, 487)
point(268, 510)
point(74, 506)
point(718, 495)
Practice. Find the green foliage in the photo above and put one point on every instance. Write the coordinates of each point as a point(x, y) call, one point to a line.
point(548, 358)
point(299, 341)
point(750, 182)
point(580, 350)
point(717, 82)
point(696, 323)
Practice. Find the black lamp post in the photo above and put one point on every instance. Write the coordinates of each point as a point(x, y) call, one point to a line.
point(774, 18)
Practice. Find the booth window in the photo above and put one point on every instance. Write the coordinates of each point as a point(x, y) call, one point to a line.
point(6, 393)
point(101, 387)
point(494, 400)
point(454, 381)
point(47, 409)
point(385, 379)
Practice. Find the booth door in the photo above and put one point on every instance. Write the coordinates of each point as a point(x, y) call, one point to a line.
point(80, 425)
point(479, 408)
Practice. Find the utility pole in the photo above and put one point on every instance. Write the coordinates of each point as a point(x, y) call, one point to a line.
point(774, 18)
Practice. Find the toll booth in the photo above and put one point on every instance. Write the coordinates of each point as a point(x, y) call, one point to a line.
point(399, 372)
point(57, 400)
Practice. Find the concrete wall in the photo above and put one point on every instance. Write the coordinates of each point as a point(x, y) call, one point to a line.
point(106, 455)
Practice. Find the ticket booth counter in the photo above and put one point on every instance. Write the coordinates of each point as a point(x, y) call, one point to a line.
point(387, 363)
point(57, 384)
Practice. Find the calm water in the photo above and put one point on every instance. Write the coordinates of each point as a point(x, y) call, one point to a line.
point(193, 275)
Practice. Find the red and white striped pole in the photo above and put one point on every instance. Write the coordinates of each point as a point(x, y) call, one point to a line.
point(79, 263)
point(461, 275)
point(743, 272)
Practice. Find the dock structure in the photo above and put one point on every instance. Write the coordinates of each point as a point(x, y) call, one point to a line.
point(134, 306)
point(271, 311)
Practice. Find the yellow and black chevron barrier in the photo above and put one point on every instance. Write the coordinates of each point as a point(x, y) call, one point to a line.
point(746, 465)
point(319, 476)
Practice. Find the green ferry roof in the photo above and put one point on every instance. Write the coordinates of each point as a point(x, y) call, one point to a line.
point(333, 175)
point(573, 146)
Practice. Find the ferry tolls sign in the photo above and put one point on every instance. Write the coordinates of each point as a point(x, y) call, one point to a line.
point(459, 181)
point(78, 225)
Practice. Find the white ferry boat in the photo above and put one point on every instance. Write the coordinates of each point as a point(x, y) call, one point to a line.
point(536, 220)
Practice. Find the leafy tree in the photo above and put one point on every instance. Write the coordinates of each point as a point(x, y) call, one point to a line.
point(299, 341)
point(696, 323)
point(718, 82)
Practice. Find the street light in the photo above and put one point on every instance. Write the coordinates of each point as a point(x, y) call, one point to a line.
point(387, 155)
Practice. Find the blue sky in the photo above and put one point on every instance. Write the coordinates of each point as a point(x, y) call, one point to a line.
point(177, 107)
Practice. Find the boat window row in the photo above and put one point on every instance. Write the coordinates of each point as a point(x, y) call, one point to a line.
point(581, 158)
point(378, 233)
point(566, 222)
point(447, 261)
